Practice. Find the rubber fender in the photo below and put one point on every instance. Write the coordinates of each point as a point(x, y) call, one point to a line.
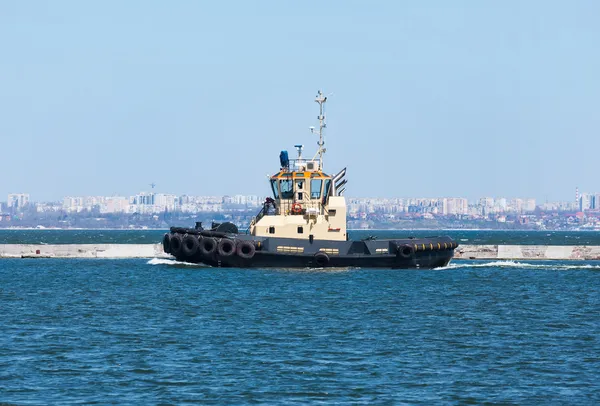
point(321, 259)
point(189, 245)
point(405, 251)
point(245, 249)
point(176, 244)
point(226, 247)
point(167, 243)
point(208, 246)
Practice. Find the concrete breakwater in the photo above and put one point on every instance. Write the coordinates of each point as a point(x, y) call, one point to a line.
point(529, 252)
point(504, 252)
point(82, 251)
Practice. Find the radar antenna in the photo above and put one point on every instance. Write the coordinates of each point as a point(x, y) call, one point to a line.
point(321, 99)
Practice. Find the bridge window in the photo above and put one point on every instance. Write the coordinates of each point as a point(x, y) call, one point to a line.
point(326, 190)
point(315, 188)
point(274, 188)
point(286, 187)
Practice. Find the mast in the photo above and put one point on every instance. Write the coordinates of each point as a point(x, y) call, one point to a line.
point(322, 125)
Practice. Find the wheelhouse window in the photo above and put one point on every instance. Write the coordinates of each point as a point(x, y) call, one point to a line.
point(275, 188)
point(315, 188)
point(326, 190)
point(287, 188)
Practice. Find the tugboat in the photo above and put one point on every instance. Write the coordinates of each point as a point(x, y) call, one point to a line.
point(303, 225)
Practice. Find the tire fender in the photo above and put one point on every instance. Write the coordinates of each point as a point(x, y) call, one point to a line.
point(321, 259)
point(226, 247)
point(208, 246)
point(245, 249)
point(176, 244)
point(405, 251)
point(189, 245)
point(167, 243)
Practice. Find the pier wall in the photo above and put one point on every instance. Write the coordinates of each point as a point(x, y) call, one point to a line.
point(502, 252)
point(508, 252)
point(82, 251)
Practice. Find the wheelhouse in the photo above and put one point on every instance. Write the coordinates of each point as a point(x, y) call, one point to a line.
point(297, 192)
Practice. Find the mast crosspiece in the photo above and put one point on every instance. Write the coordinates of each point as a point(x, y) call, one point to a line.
point(321, 99)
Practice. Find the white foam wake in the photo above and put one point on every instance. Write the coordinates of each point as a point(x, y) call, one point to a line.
point(171, 262)
point(516, 264)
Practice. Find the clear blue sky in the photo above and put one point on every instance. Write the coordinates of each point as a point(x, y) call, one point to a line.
point(436, 98)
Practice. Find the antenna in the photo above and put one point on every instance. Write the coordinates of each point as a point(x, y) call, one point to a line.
point(322, 125)
point(299, 149)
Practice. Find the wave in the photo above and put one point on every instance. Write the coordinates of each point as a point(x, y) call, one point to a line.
point(492, 264)
point(172, 262)
point(518, 265)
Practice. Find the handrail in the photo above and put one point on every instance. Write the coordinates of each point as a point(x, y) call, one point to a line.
point(295, 164)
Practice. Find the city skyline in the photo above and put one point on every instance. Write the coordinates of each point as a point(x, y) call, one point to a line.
point(163, 210)
point(577, 196)
point(170, 202)
point(429, 99)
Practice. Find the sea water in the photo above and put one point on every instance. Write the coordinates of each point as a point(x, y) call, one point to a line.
point(153, 331)
point(514, 237)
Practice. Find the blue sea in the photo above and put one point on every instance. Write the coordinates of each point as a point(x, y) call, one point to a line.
point(520, 237)
point(154, 331)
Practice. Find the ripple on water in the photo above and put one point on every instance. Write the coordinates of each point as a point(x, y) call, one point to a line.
point(139, 331)
point(493, 237)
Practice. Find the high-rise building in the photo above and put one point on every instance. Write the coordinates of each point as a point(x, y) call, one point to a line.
point(530, 205)
point(596, 201)
point(165, 201)
point(18, 200)
point(455, 206)
point(486, 204)
point(501, 204)
point(143, 198)
point(585, 202)
point(115, 204)
point(516, 205)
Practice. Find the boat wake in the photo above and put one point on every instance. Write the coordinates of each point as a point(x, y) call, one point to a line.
point(172, 262)
point(518, 265)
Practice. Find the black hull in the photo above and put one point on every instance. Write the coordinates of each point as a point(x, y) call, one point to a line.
point(275, 260)
point(426, 253)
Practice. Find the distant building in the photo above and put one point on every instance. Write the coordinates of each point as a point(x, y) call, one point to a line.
point(165, 201)
point(585, 202)
point(453, 206)
point(530, 205)
point(115, 204)
point(18, 200)
point(516, 205)
point(486, 205)
point(596, 201)
point(501, 204)
point(143, 198)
